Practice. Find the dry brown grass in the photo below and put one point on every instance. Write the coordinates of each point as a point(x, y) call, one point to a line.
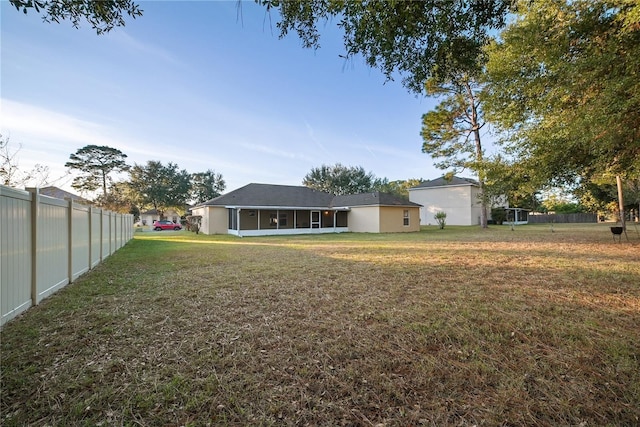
point(444, 327)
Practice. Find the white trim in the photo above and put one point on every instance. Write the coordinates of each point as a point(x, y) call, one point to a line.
point(288, 231)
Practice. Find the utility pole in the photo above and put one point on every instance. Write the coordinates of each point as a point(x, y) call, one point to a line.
point(620, 201)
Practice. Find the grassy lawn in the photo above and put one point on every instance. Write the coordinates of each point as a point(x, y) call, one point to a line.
point(445, 327)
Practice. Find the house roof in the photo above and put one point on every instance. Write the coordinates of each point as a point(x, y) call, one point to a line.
point(290, 196)
point(445, 182)
point(59, 193)
point(372, 199)
point(268, 195)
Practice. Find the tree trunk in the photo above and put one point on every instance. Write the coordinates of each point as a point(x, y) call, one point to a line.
point(475, 126)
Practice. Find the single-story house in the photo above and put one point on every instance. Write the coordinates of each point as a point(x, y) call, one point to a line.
point(458, 197)
point(148, 217)
point(265, 209)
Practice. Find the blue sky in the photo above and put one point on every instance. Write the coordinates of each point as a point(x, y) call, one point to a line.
point(195, 84)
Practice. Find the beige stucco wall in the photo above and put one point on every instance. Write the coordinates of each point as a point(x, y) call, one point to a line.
point(459, 202)
point(392, 219)
point(214, 219)
point(365, 219)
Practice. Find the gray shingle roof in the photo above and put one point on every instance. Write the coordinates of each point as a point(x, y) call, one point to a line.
point(273, 195)
point(59, 193)
point(443, 182)
point(266, 195)
point(371, 199)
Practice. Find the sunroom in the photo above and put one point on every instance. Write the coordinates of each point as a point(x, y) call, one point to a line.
point(262, 221)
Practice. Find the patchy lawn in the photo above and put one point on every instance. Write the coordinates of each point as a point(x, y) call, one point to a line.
point(445, 327)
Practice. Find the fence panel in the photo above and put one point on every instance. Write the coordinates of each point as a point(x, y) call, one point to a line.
point(46, 243)
point(15, 252)
point(563, 218)
point(106, 232)
point(80, 240)
point(96, 236)
point(52, 246)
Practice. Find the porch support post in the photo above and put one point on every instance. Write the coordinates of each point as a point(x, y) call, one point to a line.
point(238, 221)
point(259, 210)
point(277, 219)
point(335, 215)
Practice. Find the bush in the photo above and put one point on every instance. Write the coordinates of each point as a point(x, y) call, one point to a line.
point(499, 215)
point(441, 217)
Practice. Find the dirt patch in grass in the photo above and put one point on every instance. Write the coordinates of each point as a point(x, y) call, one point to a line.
point(451, 327)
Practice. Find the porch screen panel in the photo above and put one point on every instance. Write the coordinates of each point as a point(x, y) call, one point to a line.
point(233, 219)
point(341, 219)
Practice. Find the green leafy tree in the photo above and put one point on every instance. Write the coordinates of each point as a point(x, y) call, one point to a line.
point(206, 186)
point(513, 180)
point(160, 187)
point(563, 82)
point(407, 38)
point(96, 162)
point(399, 187)
point(102, 15)
point(340, 180)
point(120, 198)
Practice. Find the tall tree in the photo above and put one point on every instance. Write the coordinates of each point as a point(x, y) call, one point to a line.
point(451, 132)
point(10, 172)
point(339, 179)
point(563, 81)
point(102, 15)
point(206, 185)
point(407, 38)
point(96, 162)
point(160, 187)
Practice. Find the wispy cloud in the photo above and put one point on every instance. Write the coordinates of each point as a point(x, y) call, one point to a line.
point(132, 43)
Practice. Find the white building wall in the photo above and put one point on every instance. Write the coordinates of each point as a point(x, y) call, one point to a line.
point(460, 203)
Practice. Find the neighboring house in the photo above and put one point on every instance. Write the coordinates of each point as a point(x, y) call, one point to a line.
point(457, 197)
point(265, 209)
point(59, 193)
point(147, 217)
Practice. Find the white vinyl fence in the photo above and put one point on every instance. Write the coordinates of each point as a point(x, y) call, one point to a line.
point(46, 243)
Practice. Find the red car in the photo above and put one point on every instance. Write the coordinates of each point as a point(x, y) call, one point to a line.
point(166, 225)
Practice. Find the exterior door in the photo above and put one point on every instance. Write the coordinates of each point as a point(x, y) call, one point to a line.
point(315, 219)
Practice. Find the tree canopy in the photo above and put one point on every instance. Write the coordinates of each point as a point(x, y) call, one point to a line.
point(96, 162)
point(340, 180)
point(407, 38)
point(102, 15)
point(206, 186)
point(564, 84)
point(160, 187)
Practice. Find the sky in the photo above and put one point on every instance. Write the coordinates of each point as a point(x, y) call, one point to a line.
point(204, 85)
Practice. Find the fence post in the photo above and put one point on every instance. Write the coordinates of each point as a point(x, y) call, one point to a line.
point(35, 208)
point(90, 251)
point(70, 237)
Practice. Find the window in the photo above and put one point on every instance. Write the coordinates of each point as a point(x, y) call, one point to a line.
point(406, 217)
